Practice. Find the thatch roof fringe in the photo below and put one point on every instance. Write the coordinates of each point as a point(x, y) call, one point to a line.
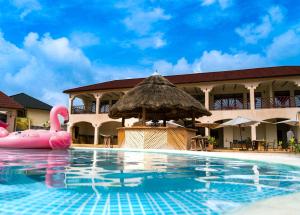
point(161, 100)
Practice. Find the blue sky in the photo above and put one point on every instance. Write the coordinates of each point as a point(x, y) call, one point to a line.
point(47, 46)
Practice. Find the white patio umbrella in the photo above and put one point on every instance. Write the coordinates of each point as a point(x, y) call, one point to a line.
point(239, 122)
point(291, 122)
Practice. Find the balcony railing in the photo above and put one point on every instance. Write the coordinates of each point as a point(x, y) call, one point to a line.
point(277, 102)
point(230, 104)
point(82, 109)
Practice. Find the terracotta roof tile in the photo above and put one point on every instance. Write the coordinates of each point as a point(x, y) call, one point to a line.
point(267, 72)
point(7, 102)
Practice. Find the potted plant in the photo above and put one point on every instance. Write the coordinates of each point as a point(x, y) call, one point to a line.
point(211, 143)
point(279, 144)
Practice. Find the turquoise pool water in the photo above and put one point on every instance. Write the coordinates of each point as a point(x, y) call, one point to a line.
point(124, 182)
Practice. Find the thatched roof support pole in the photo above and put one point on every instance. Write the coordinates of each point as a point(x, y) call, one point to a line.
point(165, 123)
point(144, 116)
point(193, 120)
point(123, 122)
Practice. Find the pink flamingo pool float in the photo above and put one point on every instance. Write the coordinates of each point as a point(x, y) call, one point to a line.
point(39, 139)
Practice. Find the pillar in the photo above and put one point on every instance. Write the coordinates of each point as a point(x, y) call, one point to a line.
point(71, 98)
point(253, 132)
point(206, 91)
point(207, 132)
point(97, 97)
point(96, 134)
point(251, 89)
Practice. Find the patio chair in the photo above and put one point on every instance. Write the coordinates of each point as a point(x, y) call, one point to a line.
point(234, 144)
point(270, 145)
point(107, 140)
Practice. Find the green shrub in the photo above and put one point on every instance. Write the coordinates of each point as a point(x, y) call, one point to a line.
point(212, 140)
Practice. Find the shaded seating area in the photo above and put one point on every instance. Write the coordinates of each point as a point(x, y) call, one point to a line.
point(155, 99)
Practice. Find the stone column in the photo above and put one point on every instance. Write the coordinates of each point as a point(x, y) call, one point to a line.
point(71, 98)
point(251, 89)
point(97, 97)
point(96, 134)
point(253, 132)
point(207, 132)
point(206, 91)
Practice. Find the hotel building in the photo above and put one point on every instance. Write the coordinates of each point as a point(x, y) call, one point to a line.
point(264, 94)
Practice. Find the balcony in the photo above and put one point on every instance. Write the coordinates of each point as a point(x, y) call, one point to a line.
point(233, 103)
point(82, 109)
point(277, 102)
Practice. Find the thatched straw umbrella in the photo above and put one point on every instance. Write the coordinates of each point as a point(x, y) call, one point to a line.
point(155, 98)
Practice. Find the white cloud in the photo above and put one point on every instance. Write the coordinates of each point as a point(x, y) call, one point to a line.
point(211, 61)
point(222, 3)
point(285, 46)
point(84, 39)
point(216, 60)
point(142, 22)
point(43, 65)
point(276, 14)
point(180, 67)
point(26, 6)
point(155, 41)
point(253, 32)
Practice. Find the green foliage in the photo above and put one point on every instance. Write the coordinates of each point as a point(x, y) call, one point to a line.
point(295, 147)
point(212, 140)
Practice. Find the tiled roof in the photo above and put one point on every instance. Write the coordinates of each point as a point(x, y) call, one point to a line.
point(7, 102)
point(30, 102)
point(267, 72)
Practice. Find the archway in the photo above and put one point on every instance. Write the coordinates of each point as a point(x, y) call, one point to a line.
point(277, 132)
point(83, 133)
point(109, 128)
point(83, 104)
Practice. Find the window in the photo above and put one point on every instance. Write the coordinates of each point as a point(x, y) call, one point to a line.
point(3, 117)
point(104, 106)
point(21, 113)
point(297, 98)
point(282, 99)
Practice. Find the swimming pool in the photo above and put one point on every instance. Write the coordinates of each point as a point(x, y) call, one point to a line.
point(126, 182)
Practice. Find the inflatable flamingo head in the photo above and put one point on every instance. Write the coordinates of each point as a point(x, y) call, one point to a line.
point(54, 121)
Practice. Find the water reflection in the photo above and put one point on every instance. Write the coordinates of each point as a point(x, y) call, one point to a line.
point(29, 166)
point(96, 172)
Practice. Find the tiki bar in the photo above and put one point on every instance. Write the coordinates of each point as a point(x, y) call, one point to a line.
point(156, 99)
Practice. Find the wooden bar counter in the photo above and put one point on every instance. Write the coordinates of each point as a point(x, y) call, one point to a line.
point(155, 137)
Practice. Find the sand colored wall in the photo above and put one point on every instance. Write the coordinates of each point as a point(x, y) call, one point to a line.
point(38, 117)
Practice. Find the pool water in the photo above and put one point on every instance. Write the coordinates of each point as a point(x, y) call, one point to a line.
point(126, 182)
